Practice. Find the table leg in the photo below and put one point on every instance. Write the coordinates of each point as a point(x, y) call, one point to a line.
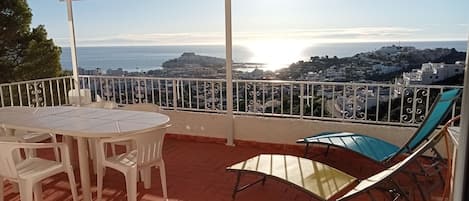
point(84, 168)
point(69, 141)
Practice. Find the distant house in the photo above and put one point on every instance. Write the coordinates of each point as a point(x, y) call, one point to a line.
point(335, 73)
point(116, 72)
point(433, 72)
point(96, 71)
point(384, 69)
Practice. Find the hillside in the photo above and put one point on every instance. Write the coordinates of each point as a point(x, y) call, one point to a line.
point(190, 59)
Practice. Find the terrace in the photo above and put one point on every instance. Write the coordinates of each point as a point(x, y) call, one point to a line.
point(256, 116)
point(196, 172)
point(269, 117)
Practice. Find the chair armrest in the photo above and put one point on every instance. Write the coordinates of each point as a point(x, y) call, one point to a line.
point(63, 149)
point(115, 139)
point(9, 139)
point(25, 145)
point(128, 137)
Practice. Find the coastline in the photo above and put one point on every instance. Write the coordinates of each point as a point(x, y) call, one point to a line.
point(145, 58)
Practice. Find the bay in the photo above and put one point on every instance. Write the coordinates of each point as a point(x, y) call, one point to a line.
point(143, 58)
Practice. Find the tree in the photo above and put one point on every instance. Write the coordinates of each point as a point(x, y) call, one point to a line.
point(25, 53)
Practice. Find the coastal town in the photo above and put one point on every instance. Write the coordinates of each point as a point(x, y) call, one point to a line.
point(397, 64)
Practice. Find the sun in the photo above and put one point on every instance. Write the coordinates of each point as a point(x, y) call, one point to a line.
point(276, 54)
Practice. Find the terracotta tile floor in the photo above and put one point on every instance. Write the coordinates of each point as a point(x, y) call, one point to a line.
point(196, 172)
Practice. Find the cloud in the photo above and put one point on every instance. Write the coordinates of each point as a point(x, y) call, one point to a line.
point(337, 34)
point(208, 38)
point(211, 38)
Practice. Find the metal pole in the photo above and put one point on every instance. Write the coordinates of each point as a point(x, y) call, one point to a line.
point(73, 49)
point(229, 77)
point(461, 174)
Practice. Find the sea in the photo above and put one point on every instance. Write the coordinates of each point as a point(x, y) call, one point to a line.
point(144, 58)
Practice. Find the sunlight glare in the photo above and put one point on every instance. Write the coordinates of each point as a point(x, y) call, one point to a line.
point(276, 54)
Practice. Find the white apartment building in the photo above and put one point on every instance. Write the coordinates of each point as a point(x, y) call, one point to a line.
point(433, 72)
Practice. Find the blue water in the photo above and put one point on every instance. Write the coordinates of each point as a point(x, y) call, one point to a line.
point(142, 58)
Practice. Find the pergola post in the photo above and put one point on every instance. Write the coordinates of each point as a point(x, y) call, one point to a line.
point(73, 50)
point(460, 177)
point(229, 77)
point(83, 155)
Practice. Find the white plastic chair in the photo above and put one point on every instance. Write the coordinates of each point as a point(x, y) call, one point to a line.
point(32, 137)
point(29, 172)
point(85, 96)
point(147, 154)
point(143, 107)
point(102, 104)
point(92, 142)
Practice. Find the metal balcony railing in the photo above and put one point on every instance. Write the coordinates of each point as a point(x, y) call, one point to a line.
point(352, 102)
point(42, 92)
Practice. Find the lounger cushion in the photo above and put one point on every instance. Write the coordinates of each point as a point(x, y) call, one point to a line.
point(314, 177)
point(373, 148)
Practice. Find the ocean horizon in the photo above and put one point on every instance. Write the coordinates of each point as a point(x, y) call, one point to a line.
point(144, 58)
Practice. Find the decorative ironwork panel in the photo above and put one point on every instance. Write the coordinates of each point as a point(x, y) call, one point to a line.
point(415, 104)
point(37, 95)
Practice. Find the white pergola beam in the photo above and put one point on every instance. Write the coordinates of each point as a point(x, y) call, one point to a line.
point(73, 49)
point(229, 76)
point(461, 175)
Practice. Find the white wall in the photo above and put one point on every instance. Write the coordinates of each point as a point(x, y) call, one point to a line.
point(275, 130)
point(278, 130)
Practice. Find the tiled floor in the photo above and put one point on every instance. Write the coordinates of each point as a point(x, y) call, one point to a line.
point(196, 172)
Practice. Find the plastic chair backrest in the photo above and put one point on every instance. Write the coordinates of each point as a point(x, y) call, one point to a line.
point(149, 146)
point(7, 160)
point(103, 104)
point(85, 96)
point(438, 112)
point(143, 107)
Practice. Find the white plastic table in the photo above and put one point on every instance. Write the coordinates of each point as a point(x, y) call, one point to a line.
point(82, 123)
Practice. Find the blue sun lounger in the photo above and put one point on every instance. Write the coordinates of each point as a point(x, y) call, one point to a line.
point(324, 182)
point(380, 151)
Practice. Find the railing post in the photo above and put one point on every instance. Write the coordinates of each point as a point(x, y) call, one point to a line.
point(212, 93)
point(19, 94)
point(175, 94)
point(254, 97)
point(11, 95)
point(354, 115)
point(302, 89)
point(28, 93)
point(36, 95)
point(1, 96)
point(52, 103)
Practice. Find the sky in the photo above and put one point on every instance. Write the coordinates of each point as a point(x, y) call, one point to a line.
point(255, 22)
